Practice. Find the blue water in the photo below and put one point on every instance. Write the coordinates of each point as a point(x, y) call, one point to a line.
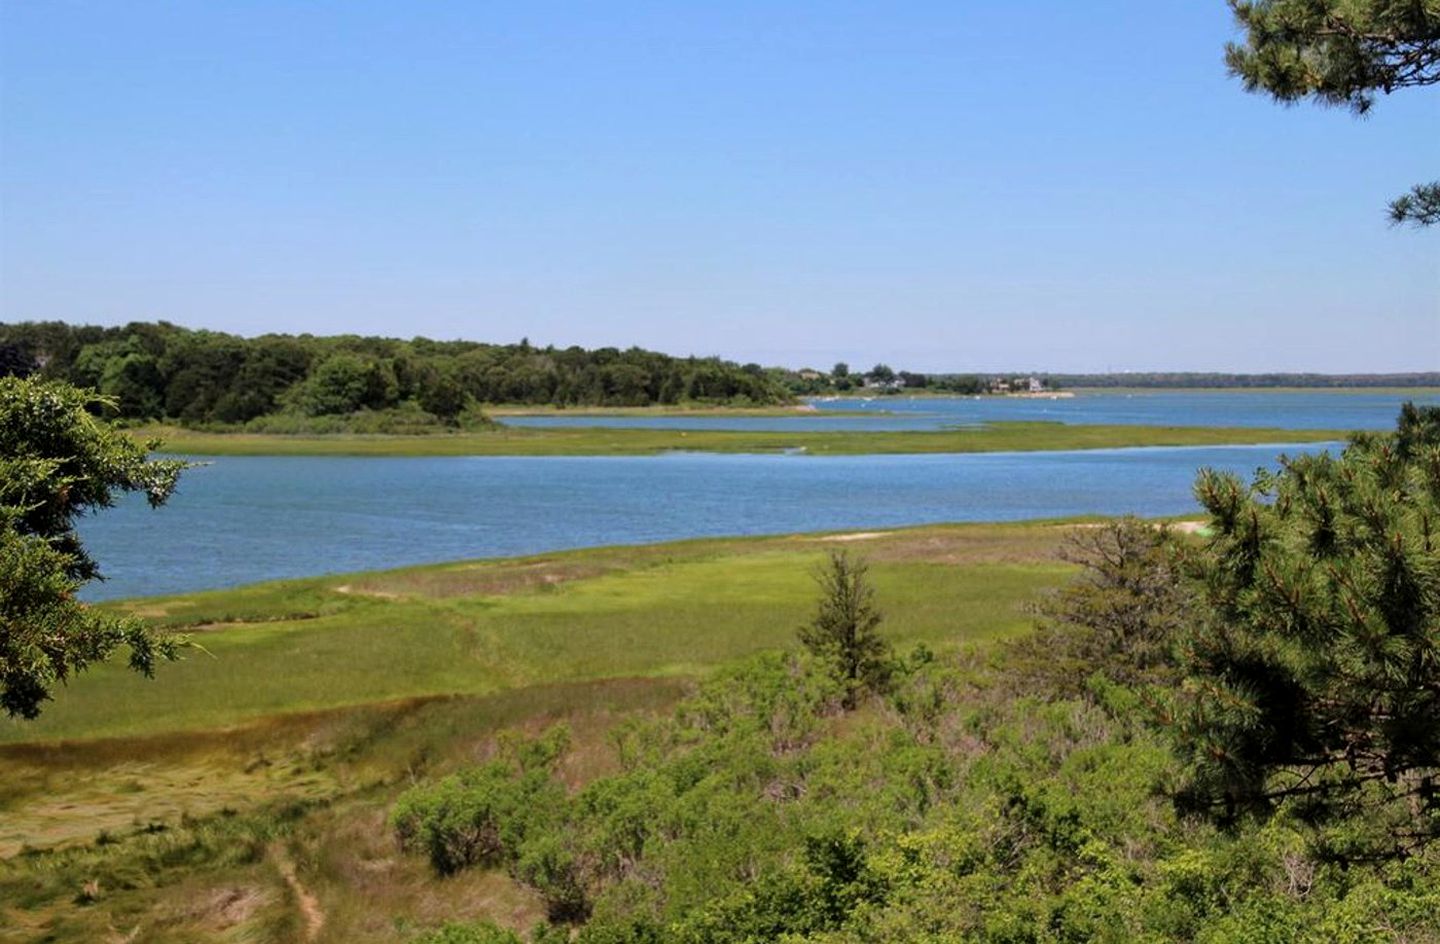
point(239, 520)
point(1317, 409)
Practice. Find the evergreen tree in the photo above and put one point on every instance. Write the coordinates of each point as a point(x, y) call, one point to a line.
point(1342, 52)
point(1314, 678)
point(844, 633)
point(1120, 616)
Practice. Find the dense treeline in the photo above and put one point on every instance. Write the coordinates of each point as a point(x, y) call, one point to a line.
point(1189, 379)
point(162, 371)
point(883, 379)
point(284, 383)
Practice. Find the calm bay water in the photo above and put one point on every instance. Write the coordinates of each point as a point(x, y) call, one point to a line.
point(1298, 409)
point(243, 519)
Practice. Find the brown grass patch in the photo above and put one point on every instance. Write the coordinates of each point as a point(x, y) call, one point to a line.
point(367, 592)
point(158, 610)
point(221, 626)
point(965, 545)
point(227, 906)
point(66, 793)
point(77, 807)
point(480, 579)
point(368, 887)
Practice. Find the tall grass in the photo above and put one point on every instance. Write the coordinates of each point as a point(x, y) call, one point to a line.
point(304, 645)
point(556, 441)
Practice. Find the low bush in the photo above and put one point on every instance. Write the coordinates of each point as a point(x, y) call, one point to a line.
point(951, 810)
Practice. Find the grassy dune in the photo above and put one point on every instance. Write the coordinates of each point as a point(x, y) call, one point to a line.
point(241, 795)
point(519, 441)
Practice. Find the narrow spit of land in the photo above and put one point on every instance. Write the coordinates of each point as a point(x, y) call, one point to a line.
point(593, 441)
point(503, 410)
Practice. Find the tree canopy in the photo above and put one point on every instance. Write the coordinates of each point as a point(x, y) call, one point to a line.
point(1342, 53)
point(1119, 617)
point(1313, 670)
point(57, 463)
point(161, 371)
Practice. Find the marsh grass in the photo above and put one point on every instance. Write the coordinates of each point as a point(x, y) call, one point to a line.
point(474, 629)
point(249, 782)
point(599, 441)
point(229, 828)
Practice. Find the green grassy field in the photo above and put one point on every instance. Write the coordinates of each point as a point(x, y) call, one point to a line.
point(517, 441)
point(681, 409)
point(483, 627)
point(214, 801)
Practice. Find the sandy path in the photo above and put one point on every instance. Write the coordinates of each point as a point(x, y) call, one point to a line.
point(309, 905)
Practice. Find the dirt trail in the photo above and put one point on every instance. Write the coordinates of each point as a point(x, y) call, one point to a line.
point(308, 904)
point(352, 591)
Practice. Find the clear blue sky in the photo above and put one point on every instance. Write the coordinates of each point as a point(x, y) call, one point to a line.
point(939, 185)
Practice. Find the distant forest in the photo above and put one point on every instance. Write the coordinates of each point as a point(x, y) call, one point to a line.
point(303, 383)
point(1183, 379)
point(885, 380)
point(161, 371)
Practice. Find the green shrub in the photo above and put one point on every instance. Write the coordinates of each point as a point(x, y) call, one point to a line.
point(483, 815)
point(484, 933)
point(760, 811)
